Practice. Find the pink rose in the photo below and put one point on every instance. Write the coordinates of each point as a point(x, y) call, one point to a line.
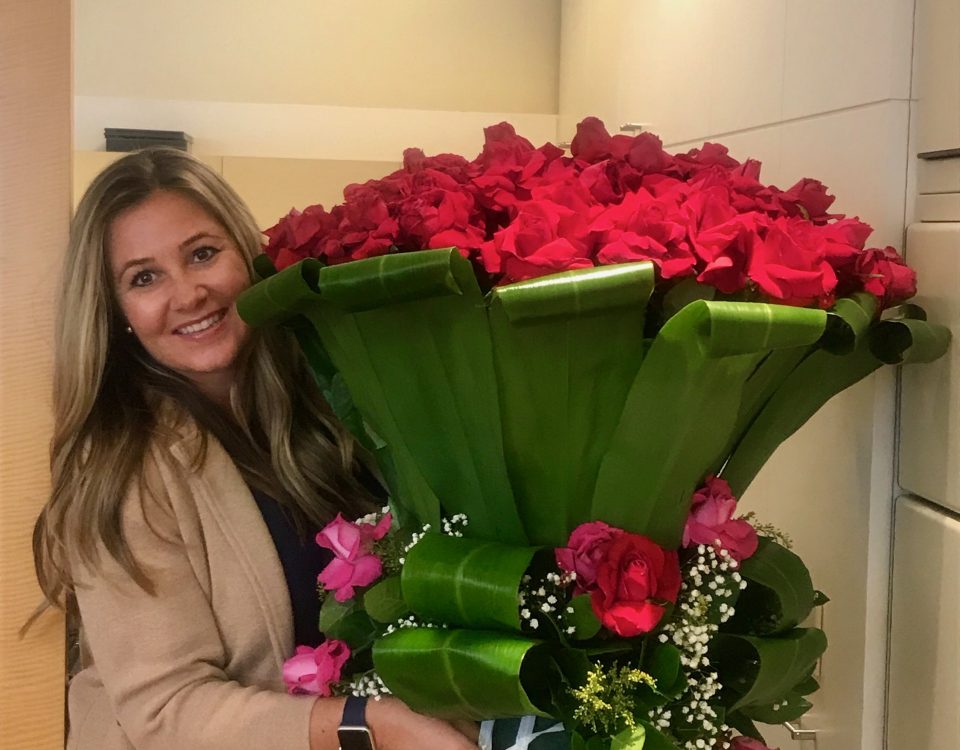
point(311, 671)
point(353, 564)
point(636, 578)
point(711, 521)
point(748, 743)
point(586, 547)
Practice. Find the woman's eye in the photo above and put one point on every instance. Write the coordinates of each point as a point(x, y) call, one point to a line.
point(204, 253)
point(142, 278)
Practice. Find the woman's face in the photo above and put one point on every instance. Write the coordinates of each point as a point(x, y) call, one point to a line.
point(177, 273)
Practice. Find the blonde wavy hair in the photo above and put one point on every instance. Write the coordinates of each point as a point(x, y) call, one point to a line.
point(106, 388)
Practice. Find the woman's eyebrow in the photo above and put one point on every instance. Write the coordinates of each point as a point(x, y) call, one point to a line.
point(198, 236)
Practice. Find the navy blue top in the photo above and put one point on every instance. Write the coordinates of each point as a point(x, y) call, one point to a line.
point(302, 561)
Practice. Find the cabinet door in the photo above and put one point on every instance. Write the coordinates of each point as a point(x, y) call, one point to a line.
point(929, 408)
point(937, 74)
point(924, 653)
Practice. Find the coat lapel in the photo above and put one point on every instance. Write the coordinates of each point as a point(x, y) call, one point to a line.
point(228, 501)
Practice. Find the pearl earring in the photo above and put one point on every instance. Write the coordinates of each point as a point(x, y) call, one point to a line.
point(129, 329)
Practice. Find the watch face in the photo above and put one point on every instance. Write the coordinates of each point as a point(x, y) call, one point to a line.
point(355, 738)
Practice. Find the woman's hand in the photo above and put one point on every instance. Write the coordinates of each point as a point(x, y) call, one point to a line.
point(394, 727)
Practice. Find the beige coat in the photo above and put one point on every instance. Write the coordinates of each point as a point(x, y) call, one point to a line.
point(199, 664)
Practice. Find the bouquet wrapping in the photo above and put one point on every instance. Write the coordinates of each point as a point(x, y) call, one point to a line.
point(566, 396)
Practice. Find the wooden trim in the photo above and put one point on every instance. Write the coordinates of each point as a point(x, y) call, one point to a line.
point(35, 146)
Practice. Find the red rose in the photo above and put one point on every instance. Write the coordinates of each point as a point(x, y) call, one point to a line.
point(644, 228)
point(593, 143)
point(808, 198)
point(544, 238)
point(725, 250)
point(788, 265)
point(634, 582)
point(885, 275)
point(298, 235)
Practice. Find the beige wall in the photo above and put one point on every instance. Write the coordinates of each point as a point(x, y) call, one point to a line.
point(353, 80)
point(34, 210)
point(465, 55)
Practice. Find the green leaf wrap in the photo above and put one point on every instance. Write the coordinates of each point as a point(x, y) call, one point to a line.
point(758, 671)
point(409, 334)
point(465, 582)
point(471, 674)
point(780, 593)
point(566, 352)
point(692, 376)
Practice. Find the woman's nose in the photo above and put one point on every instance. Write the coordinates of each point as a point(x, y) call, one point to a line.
point(188, 294)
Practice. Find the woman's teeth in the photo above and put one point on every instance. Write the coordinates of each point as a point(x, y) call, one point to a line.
point(203, 324)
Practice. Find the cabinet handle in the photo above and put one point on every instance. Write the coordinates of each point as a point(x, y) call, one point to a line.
point(796, 733)
point(634, 127)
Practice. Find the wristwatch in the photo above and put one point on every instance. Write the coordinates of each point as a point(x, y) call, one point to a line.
point(353, 733)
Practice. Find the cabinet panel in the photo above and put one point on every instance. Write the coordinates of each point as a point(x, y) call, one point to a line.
point(924, 655)
point(929, 407)
point(937, 74)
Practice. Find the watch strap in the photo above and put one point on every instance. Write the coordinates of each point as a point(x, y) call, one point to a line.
point(353, 733)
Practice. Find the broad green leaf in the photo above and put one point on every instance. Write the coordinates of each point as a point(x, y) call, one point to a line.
point(470, 674)
point(384, 601)
point(346, 622)
point(663, 664)
point(693, 376)
point(744, 725)
point(779, 593)
point(757, 671)
point(583, 618)
point(788, 708)
point(632, 738)
point(567, 348)
point(466, 582)
point(409, 334)
point(656, 740)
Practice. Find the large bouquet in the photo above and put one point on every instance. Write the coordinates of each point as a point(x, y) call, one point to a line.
point(566, 397)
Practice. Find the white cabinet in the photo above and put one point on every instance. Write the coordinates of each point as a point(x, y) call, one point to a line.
point(925, 648)
point(930, 408)
point(937, 75)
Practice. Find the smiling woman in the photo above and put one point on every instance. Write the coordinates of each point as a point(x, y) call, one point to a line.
point(176, 273)
point(192, 460)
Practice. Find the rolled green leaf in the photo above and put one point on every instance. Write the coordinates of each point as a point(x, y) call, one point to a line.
point(791, 397)
point(758, 671)
point(471, 674)
point(281, 296)
point(896, 342)
point(566, 353)
point(779, 594)
point(465, 582)
point(692, 376)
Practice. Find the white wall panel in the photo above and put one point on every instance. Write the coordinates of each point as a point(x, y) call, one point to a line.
point(745, 63)
point(844, 53)
point(925, 652)
point(861, 155)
